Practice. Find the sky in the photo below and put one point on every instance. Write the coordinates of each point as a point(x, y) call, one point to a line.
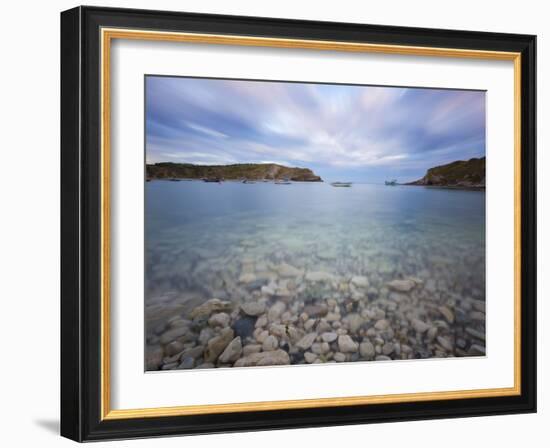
point(341, 132)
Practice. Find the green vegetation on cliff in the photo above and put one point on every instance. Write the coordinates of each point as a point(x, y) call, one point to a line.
point(459, 174)
point(251, 171)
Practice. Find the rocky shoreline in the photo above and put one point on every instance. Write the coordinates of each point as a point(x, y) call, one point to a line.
point(294, 315)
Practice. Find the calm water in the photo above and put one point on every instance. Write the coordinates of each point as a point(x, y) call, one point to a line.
point(206, 240)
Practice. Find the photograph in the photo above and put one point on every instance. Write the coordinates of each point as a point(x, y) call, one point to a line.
point(297, 223)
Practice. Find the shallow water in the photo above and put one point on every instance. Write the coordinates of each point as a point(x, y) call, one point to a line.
point(229, 240)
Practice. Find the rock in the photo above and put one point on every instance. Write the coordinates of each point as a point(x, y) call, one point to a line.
point(474, 333)
point(319, 276)
point(402, 285)
point(431, 334)
point(172, 334)
point(195, 352)
point(329, 336)
point(272, 358)
point(310, 357)
point(366, 350)
point(382, 325)
point(447, 314)
point(247, 277)
point(262, 336)
point(387, 348)
point(286, 270)
point(205, 335)
point(316, 310)
point(445, 343)
point(419, 326)
point(251, 348)
point(309, 324)
point(232, 352)
point(174, 347)
point(320, 348)
point(205, 365)
point(209, 307)
point(346, 344)
point(187, 363)
point(153, 357)
point(170, 366)
point(478, 305)
point(253, 308)
point(267, 290)
point(360, 281)
point(354, 322)
point(218, 344)
point(219, 320)
point(476, 349)
point(261, 322)
point(339, 357)
point(275, 311)
point(382, 358)
point(270, 343)
point(244, 326)
point(306, 341)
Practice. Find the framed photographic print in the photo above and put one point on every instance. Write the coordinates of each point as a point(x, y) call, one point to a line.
point(275, 224)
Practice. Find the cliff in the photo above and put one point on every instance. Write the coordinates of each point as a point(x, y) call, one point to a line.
point(459, 174)
point(251, 171)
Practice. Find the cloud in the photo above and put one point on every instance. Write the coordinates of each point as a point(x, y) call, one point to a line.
point(333, 127)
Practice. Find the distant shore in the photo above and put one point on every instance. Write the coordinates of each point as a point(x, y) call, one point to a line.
point(242, 171)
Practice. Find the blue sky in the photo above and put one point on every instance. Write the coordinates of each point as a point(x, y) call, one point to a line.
point(347, 133)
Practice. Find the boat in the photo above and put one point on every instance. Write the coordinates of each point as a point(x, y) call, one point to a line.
point(212, 179)
point(246, 181)
point(341, 184)
point(392, 182)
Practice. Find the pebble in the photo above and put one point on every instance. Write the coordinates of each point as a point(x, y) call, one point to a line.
point(366, 350)
point(329, 336)
point(232, 352)
point(319, 276)
point(219, 320)
point(402, 285)
point(286, 270)
point(251, 348)
point(153, 357)
point(187, 363)
point(209, 307)
point(217, 345)
point(273, 358)
point(174, 347)
point(382, 325)
point(172, 334)
point(447, 314)
point(346, 344)
point(445, 343)
point(270, 343)
point(253, 308)
point(339, 357)
point(387, 348)
point(419, 325)
point(310, 357)
point(474, 333)
point(360, 281)
point(306, 342)
point(275, 311)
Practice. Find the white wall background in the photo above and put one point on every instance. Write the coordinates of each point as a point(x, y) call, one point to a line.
point(29, 228)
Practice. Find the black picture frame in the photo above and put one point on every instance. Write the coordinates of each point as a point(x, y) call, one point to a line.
point(81, 224)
